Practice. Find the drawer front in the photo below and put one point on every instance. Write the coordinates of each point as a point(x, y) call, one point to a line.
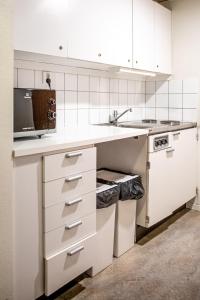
point(69, 234)
point(69, 163)
point(58, 215)
point(68, 264)
point(60, 190)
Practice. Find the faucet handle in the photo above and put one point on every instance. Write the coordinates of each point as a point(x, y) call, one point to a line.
point(115, 113)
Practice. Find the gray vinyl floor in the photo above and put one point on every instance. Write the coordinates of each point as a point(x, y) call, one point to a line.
point(165, 264)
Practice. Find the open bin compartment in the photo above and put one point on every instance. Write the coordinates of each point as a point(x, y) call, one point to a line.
point(131, 189)
point(107, 197)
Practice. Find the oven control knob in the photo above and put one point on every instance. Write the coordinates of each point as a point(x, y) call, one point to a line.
point(51, 115)
point(52, 101)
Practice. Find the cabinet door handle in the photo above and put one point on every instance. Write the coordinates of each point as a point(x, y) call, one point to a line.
point(79, 249)
point(73, 225)
point(176, 133)
point(170, 150)
point(72, 202)
point(73, 178)
point(73, 154)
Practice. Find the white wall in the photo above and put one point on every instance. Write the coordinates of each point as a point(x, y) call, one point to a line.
point(6, 205)
point(186, 43)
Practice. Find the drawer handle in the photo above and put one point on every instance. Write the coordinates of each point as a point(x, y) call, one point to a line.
point(170, 150)
point(69, 203)
point(73, 154)
point(176, 133)
point(79, 249)
point(73, 178)
point(73, 225)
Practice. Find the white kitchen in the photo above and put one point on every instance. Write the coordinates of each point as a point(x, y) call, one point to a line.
point(99, 135)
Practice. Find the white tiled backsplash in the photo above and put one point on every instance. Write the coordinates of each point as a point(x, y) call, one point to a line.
point(89, 99)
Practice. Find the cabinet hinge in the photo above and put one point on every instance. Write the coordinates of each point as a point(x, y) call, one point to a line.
point(197, 137)
point(147, 219)
point(148, 165)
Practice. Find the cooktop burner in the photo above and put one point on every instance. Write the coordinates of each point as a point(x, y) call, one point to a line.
point(150, 121)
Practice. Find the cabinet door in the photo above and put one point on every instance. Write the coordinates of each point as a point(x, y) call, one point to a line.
point(161, 178)
point(143, 35)
point(39, 26)
point(101, 31)
point(185, 169)
point(163, 38)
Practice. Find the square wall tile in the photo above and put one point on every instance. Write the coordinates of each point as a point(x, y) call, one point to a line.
point(25, 78)
point(104, 115)
point(15, 78)
point(123, 100)
point(190, 115)
point(131, 86)
point(150, 87)
point(162, 100)
point(175, 100)
point(94, 116)
point(131, 100)
point(123, 86)
point(150, 100)
point(83, 116)
point(83, 100)
point(94, 84)
point(114, 100)
point(71, 117)
point(162, 113)
point(60, 99)
point(104, 85)
point(191, 85)
point(114, 85)
point(71, 100)
point(83, 83)
point(162, 87)
point(150, 113)
point(190, 100)
point(104, 101)
point(60, 120)
point(137, 114)
point(94, 99)
point(175, 86)
point(123, 118)
point(140, 100)
point(175, 114)
point(59, 81)
point(140, 87)
point(71, 82)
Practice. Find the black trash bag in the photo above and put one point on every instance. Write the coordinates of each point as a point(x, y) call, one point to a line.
point(107, 195)
point(131, 186)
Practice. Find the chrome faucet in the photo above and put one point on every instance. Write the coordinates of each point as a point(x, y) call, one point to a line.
point(116, 116)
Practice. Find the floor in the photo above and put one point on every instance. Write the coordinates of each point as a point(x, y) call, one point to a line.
point(165, 264)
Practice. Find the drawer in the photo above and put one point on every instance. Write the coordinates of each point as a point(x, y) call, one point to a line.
point(57, 215)
point(61, 190)
point(68, 264)
point(70, 233)
point(69, 163)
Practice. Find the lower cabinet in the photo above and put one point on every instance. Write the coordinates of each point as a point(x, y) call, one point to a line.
point(68, 264)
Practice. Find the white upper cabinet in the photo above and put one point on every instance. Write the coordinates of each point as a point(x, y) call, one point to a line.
point(163, 39)
point(143, 35)
point(39, 26)
point(100, 31)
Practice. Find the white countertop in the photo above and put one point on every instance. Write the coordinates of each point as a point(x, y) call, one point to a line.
point(72, 138)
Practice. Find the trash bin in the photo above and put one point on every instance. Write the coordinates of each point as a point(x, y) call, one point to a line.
point(131, 189)
point(107, 197)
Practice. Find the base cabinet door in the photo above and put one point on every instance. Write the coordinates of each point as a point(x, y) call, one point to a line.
point(185, 169)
